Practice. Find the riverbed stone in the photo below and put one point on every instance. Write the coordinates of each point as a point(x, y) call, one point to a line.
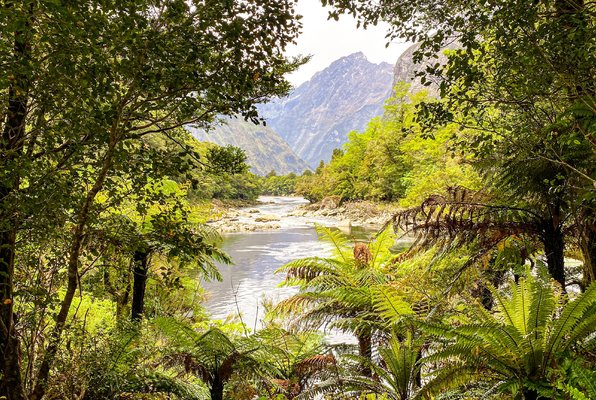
point(344, 223)
point(331, 202)
point(267, 218)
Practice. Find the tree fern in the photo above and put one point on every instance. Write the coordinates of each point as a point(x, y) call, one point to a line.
point(531, 331)
point(163, 382)
point(335, 292)
point(572, 314)
point(340, 243)
point(394, 376)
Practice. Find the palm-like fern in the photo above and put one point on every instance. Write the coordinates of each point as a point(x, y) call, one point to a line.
point(212, 355)
point(532, 331)
point(395, 376)
point(295, 360)
point(337, 292)
point(463, 216)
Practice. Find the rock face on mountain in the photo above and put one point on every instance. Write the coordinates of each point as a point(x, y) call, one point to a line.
point(318, 115)
point(405, 69)
point(265, 150)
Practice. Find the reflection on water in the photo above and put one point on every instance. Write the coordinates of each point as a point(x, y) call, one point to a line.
point(257, 255)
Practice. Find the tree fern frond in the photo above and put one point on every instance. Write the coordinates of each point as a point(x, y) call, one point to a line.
point(339, 241)
point(309, 268)
point(505, 338)
point(163, 382)
point(542, 307)
point(179, 333)
point(572, 313)
point(380, 247)
point(209, 270)
point(298, 303)
point(584, 329)
point(448, 377)
point(390, 304)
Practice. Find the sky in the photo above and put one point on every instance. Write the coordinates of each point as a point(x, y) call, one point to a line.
point(327, 40)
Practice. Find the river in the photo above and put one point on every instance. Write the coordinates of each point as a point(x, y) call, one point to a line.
point(257, 255)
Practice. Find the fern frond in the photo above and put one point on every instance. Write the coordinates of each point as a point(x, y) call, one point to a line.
point(328, 282)
point(449, 377)
point(542, 308)
point(584, 329)
point(306, 269)
point(380, 247)
point(339, 241)
point(390, 304)
point(572, 314)
point(163, 382)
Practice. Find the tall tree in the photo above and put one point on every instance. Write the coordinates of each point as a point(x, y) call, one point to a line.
point(521, 78)
point(86, 79)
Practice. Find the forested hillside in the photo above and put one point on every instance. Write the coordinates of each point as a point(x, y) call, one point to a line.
point(265, 150)
point(393, 159)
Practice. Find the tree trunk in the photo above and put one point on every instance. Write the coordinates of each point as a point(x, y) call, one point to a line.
point(495, 279)
point(418, 377)
point(554, 247)
point(530, 394)
point(217, 389)
point(11, 149)
point(140, 269)
point(364, 337)
point(588, 247)
point(120, 298)
point(11, 385)
point(73, 271)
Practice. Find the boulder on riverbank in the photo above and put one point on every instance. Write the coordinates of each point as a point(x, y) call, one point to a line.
point(330, 202)
point(267, 218)
point(229, 226)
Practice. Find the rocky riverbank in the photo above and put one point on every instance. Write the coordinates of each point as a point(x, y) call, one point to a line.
point(355, 213)
point(245, 220)
point(265, 217)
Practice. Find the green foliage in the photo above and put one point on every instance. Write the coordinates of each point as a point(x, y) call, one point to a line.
point(393, 159)
point(118, 363)
point(95, 168)
point(395, 375)
point(279, 185)
point(297, 360)
point(229, 159)
point(337, 292)
point(532, 330)
point(94, 163)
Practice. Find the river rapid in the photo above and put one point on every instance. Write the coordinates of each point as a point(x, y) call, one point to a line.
point(257, 255)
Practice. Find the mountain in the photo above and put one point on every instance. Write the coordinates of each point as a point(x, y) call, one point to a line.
point(265, 150)
point(405, 69)
point(318, 115)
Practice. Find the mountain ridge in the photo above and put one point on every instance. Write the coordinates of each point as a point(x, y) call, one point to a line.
point(317, 116)
point(265, 149)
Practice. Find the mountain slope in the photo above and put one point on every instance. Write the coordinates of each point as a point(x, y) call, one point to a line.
point(405, 69)
point(265, 150)
point(317, 116)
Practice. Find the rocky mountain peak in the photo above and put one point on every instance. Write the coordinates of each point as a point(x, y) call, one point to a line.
point(318, 115)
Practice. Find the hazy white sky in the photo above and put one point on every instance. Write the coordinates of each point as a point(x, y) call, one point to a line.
point(328, 40)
